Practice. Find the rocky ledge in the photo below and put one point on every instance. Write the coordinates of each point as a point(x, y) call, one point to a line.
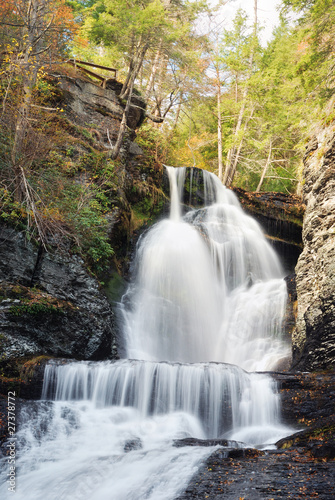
point(271, 475)
point(85, 103)
point(50, 305)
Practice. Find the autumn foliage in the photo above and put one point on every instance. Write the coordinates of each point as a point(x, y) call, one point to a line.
point(54, 17)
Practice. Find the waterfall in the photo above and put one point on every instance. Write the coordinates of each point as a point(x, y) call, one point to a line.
point(206, 303)
point(208, 286)
point(222, 397)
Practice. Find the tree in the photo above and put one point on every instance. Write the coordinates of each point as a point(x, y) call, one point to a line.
point(276, 116)
point(139, 27)
point(234, 152)
point(316, 25)
point(36, 31)
point(217, 80)
point(132, 25)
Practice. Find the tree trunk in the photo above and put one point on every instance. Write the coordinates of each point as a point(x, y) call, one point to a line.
point(131, 77)
point(266, 166)
point(158, 94)
point(153, 72)
point(177, 113)
point(130, 70)
point(233, 168)
point(30, 66)
point(123, 126)
point(128, 94)
point(220, 162)
point(231, 156)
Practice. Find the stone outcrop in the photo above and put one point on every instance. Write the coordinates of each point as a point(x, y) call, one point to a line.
point(306, 398)
point(314, 336)
point(266, 475)
point(138, 198)
point(50, 305)
point(99, 109)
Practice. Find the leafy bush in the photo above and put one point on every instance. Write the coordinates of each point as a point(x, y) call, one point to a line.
point(11, 212)
point(82, 204)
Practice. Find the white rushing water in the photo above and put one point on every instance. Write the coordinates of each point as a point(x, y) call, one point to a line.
point(209, 287)
point(221, 397)
point(207, 291)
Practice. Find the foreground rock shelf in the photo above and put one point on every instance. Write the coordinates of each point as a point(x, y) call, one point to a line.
point(306, 398)
point(271, 475)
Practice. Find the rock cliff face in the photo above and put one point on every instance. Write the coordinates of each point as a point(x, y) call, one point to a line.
point(99, 109)
point(314, 336)
point(50, 305)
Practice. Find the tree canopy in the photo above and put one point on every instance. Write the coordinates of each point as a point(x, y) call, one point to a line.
point(222, 100)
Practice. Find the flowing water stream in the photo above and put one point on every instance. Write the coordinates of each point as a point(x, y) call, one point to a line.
point(208, 290)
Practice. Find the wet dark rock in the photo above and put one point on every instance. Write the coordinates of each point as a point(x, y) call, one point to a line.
point(50, 305)
point(323, 450)
point(3, 420)
point(291, 286)
point(306, 398)
point(290, 316)
point(281, 216)
point(178, 443)
point(133, 444)
point(244, 453)
point(321, 433)
point(271, 475)
point(31, 377)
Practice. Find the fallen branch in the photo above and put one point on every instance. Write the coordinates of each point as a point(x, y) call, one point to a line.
point(44, 107)
point(156, 119)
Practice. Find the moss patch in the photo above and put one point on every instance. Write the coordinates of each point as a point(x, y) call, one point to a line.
point(23, 300)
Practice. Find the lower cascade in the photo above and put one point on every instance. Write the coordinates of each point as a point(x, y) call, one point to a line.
point(205, 308)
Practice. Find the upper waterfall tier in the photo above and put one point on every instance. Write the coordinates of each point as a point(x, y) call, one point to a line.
point(207, 287)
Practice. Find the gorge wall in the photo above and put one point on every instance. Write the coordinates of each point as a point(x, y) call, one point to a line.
point(314, 335)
